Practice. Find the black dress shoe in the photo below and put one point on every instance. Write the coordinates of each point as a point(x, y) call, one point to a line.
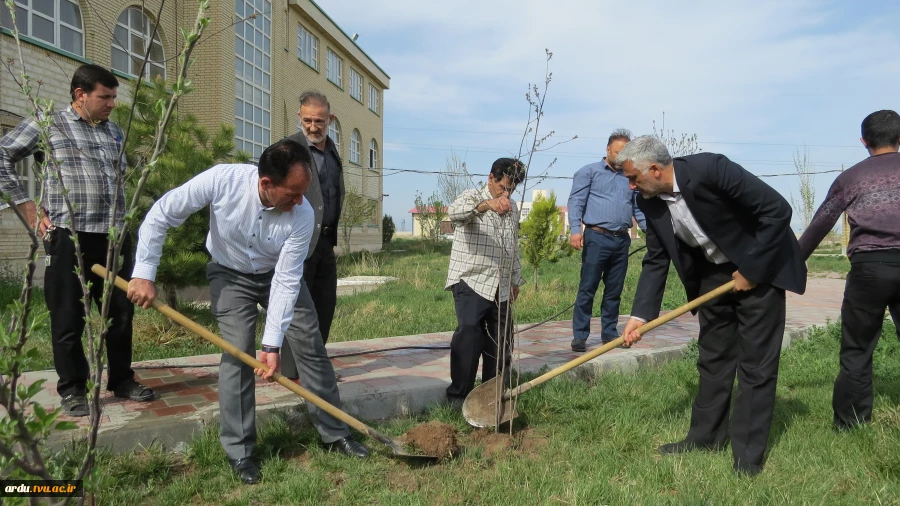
point(579, 346)
point(246, 470)
point(748, 470)
point(350, 447)
point(75, 405)
point(688, 446)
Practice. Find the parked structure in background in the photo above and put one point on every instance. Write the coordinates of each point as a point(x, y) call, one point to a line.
point(250, 75)
point(417, 230)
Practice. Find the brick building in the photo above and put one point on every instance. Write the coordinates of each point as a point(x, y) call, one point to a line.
point(253, 62)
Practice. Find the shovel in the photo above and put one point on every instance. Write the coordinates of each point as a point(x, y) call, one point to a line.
point(396, 446)
point(480, 406)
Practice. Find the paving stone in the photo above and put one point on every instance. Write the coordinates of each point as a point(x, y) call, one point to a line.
point(388, 384)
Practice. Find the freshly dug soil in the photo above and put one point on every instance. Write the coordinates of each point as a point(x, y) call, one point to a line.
point(434, 438)
point(493, 443)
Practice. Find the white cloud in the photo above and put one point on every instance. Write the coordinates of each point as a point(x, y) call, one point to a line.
point(765, 71)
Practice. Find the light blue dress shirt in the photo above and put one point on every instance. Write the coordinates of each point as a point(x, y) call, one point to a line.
point(243, 235)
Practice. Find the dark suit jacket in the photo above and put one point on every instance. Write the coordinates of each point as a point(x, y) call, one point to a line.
point(314, 194)
point(744, 217)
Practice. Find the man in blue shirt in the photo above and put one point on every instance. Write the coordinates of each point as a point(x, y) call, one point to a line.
point(602, 200)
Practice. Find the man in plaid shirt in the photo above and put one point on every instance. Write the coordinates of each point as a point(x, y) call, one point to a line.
point(87, 148)
point(484, 272)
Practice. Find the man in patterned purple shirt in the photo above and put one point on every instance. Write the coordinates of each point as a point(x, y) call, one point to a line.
point(869, 192)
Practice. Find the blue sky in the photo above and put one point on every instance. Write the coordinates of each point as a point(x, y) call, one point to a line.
point(754, 80)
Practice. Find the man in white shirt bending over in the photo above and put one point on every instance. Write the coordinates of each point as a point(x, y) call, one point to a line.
point(260, 227)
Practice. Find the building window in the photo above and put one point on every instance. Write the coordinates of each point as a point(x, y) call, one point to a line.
point(355, 85)
point(24, 174)
point(334, 131)
point(373, 99)
point(253, 77)
point(334, 69)
point(56, 22)
point(373, 154)
point(355, 141)
point(307, 47)
point(129, 45)
point(375, 218)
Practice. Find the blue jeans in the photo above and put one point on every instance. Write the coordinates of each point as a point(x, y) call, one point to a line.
point(603, 256)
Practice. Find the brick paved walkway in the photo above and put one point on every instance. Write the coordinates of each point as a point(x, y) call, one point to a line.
point(379, 385)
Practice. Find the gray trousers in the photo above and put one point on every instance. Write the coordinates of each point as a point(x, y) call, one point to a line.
point(235, 296)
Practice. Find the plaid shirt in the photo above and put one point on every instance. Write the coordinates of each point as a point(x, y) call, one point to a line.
point(485, 247)
point(87, 158)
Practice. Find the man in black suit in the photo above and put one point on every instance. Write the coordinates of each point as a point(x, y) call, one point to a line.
point(718, 222)
point(326, 196)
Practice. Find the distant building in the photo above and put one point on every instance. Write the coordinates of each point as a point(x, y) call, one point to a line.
point(446, 226)
point(253, 62)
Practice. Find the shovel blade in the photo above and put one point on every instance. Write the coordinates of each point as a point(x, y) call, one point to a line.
point(481, 409)
point(398, 448)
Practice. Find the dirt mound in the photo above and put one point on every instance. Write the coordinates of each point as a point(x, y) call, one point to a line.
point(492, 442)
point(434, 438)
point(532, 443)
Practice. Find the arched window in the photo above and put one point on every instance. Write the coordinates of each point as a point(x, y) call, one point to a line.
point(56, 22)
point(373, 154)
point(355, 142)
point(334, 131)
point(129, 45)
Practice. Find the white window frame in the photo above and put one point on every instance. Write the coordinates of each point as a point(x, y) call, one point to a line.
point(373, 154)
point(134, 58)
point(355, 141)
point(373, 98)
point(24, 174)
point(334, 132)
point(334, 67)
point(58, 23)
point(310, 43)
point(356, 85)
point(253, 93)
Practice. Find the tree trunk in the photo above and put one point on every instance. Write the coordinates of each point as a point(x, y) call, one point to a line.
point(534, 277)
point(171, 295)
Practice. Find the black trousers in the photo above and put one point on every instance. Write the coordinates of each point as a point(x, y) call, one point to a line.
point(62, 291)
point(320, 276)
point(871, 287)
point(480, 323)
point(740, 333)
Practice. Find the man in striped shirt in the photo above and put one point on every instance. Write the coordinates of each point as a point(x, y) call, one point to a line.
point(484, 274)
point(260, 229)
point(603, 202)
point(87, 148)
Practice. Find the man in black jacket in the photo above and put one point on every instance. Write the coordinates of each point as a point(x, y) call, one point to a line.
point(326, 196)
point(718, 222)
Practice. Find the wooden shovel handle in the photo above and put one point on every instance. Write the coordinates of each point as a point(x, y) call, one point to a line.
point(247, 359)
point(671, 315)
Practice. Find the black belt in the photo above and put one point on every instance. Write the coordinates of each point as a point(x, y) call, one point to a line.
point(602, 230)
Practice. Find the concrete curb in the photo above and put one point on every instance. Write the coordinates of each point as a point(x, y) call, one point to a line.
point(387, 402)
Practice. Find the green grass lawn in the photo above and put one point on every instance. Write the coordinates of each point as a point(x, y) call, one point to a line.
point(576, 443)
point(416, 303)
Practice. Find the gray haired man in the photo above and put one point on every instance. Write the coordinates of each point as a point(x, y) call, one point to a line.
point(326, 196)
point(716, 223)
